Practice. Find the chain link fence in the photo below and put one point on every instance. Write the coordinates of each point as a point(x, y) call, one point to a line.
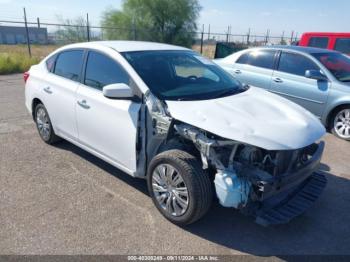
point(42, 33)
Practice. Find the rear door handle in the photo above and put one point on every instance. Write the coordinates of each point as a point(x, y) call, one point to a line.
point(278, 80)
point(237, 71)
point(48, 90)
point(83, 104)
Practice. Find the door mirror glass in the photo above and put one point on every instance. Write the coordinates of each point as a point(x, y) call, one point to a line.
point(315, 74)
point(119, 90)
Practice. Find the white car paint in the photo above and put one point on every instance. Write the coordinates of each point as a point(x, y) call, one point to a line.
point(126, 125)
point(108, 129)
point(98, 134)
point(255, 117)
point(112, 141)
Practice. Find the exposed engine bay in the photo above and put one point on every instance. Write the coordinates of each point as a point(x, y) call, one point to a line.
point(246, 177)
point(243, 170)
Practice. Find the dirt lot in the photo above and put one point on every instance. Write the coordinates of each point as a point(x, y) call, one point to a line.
point(62, 200)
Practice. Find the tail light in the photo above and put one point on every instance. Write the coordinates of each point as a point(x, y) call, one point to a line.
point(25, 76)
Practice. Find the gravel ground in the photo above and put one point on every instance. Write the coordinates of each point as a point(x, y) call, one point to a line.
point(62, 200)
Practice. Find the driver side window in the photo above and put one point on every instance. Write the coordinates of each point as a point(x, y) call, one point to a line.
point(295, 64)
point(102, 70)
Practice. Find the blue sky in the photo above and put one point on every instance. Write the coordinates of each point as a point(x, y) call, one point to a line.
point(259, 15)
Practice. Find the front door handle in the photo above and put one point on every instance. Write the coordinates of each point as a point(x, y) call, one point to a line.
point(278, 80)
point(83, 104)
point(48, 90)
point(237, 71)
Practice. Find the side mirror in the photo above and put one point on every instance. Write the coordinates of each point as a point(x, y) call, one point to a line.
point(315, 74)
point(119, 90)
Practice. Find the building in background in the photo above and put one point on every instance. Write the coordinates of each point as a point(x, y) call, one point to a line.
point(12, 35)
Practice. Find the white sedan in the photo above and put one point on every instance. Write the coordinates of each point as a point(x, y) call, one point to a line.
point(167, 114)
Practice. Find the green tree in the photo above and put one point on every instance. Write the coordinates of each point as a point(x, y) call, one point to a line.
point(168, 21)
point(72, 30)
point(283, 42)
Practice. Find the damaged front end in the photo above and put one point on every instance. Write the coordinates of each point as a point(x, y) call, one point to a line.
point(273, 186)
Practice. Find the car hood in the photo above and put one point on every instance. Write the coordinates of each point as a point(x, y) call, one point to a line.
point(255, 117)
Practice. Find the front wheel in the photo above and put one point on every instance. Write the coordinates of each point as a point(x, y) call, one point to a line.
point(179, 187)
point(341, 123)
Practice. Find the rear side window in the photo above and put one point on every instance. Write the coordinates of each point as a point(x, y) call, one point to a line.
point(295, 64)
point(342, 45)
point(68, 64)
point(320, 42)
point(262, 58)
point(102, 70)
point(243, 59)
point(50, 63)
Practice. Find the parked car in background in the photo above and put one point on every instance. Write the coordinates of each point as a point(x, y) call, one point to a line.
point(317, 79)
point(333, 41)
point(166, 114)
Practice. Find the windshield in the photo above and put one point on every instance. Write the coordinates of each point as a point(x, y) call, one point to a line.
point(182, 75)
point(338, 64)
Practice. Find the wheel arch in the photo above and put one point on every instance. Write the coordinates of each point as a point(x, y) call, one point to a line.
point(35, 102)
point(335, 110)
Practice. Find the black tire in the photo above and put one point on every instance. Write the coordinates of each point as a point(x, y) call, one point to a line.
point(51, 137)
point(332, 123)
point(200, 194)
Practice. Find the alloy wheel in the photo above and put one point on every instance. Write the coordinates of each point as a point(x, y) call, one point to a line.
point(170, 190)
point(43, 123)
point(342, 123)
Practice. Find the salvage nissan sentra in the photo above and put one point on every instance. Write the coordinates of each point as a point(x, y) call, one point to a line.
point(169, 115)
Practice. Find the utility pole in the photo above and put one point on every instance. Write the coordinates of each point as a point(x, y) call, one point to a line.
point(202, 39)
point(291, 37)
point(229, 34)
point(87, 27)
point(209, 32)
point(27, 32)
point(38, 21)
point(228, 31)
point(267, 36)
point(248, 36)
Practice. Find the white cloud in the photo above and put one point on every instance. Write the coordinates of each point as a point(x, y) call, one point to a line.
point(322, 15)
point(265, 13)
point(289, 10)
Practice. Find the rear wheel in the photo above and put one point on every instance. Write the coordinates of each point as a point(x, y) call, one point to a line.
point(179, 187)
point(44, 126)
point(341, 123)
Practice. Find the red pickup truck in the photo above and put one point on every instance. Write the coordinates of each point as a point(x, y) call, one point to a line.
point(334, 41)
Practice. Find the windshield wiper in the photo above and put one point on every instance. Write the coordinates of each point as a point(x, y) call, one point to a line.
point(226, 93)
point(233, 91)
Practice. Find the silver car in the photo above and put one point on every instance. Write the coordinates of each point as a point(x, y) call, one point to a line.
point(317, 79)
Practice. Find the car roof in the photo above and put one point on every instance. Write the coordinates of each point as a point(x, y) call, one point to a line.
point(316, 34)
point(304, 49)
point(127, 46)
